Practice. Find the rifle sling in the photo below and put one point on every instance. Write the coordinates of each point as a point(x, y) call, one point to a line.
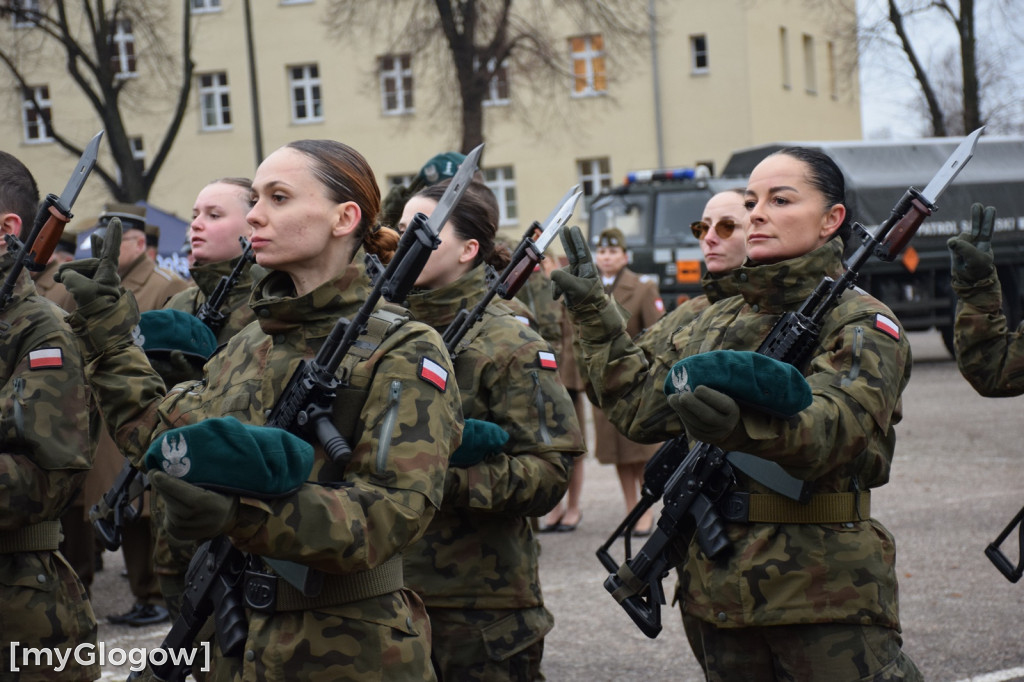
point(771, 508)
point(379, 326)
point(338, 589)
point(38, 537)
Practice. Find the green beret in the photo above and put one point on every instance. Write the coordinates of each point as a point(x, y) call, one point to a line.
point(747, 377)
point(169, 330)
point(441, 167)
point(226, 455)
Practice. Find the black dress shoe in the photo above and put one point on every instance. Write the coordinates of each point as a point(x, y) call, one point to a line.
point(140, 615)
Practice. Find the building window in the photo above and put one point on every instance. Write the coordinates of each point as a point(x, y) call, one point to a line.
point(214, 101)
point(699, 54)
point(810, 75)
point(594, 175)
point(200, 6)
point(138, 153)
point(787, 83)
point(497, 86)
point(396, 84)
point(35, 111)
point(588, 66)
point(305, 89)
point(502, 181)
point(400, 180)
point(24, 13)
point(122, 57)
point(833, 83)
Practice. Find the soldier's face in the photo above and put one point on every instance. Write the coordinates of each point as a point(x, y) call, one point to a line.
point(724, 253)
point(787, 214)
point(218, 220)
point(610, 260)
point(453, 257)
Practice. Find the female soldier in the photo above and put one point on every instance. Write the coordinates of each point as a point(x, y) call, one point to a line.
point(314, 202)
point(476, 567)
point(796, 598)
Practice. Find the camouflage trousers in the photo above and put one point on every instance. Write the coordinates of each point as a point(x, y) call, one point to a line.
point(495, 645)
point(825, 651)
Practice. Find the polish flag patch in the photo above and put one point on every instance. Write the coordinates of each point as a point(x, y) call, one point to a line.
point(659, 304)
point(46, 358)
point(433, 373)
point(547, 360)
point(888, 326)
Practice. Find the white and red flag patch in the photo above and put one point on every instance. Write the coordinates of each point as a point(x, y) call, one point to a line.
point(547, 360)
point(887, 325)
point(46, 358)
point(433, 373)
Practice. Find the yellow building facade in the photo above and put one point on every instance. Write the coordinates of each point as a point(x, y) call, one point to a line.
point(719, 76)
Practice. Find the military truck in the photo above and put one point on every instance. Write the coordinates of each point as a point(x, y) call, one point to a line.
point(655, 208)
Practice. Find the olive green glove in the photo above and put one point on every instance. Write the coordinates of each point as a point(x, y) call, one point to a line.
point(971, 254)
point(578, 281)
point(96, 278)
point(708, 415)
point(480, 439)
point(194, 513)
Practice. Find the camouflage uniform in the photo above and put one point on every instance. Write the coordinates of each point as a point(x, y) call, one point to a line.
point(171, 555)
point(342, 523)
point(778, 574)
point(990, 356)
point(476, 567)
point(47, 437)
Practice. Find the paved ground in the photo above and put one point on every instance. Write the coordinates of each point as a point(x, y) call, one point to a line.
point(956, 482)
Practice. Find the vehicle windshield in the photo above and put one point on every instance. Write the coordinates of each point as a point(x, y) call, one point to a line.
point(628, 212)
point(675, 212)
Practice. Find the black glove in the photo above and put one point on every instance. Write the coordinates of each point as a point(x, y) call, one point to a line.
point(194, 513)
point(971, 254)
point(96, 278)
point(708, 415)
point(578, 281)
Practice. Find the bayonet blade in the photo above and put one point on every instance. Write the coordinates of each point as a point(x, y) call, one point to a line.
point(456, 188)
point(85, 165)
point(952, 167)
point(559, 217)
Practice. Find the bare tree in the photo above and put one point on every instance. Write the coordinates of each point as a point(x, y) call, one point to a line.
point(84, 34)
point(478, 39)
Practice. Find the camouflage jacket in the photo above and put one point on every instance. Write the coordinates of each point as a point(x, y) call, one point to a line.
point(990, 356)
point(236, 304)
point(47, 435)
point(789, 573)
point(480, 552)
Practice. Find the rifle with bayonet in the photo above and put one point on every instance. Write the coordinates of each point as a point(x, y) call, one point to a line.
point(691, 481)
point(211, 312)
point(524, 259)
point(53, 215)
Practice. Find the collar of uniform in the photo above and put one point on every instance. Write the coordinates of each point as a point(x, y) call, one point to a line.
point(138, 271)
point(719, 285)
point(207, 276)
point(23, 286)
point(778, 287)
point(278, 309)
point(438, 307)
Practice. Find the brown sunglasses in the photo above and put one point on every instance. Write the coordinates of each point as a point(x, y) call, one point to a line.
point(724, 228)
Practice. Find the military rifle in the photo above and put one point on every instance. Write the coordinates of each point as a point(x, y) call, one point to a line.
point(524, 259)
point(690, 481)
point(210, 312)
point(1000, 560)
point(53, 215)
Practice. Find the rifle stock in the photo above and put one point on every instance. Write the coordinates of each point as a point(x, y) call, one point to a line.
point(109, 515)
point(211, 312)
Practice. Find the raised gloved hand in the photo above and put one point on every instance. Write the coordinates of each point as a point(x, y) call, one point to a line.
point(971, 254)
point(96, 278)
point(480, 439)
point(191, 512)
point(750, 378)
point(578, 281)
point(708, 415)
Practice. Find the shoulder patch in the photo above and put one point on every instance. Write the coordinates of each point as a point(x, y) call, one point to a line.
point(547, 360)
point(46, 358)
point(524, 319)
point(884, 324)
point(433, 373)
point(659, 304)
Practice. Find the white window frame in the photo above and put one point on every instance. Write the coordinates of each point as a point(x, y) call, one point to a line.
point(499, 75)
point(124, 44)
point(810, 65)
point(502, 181)
point(588, 55)
point(28, 5)
point(698, 53)
point(41, 95)
point(214, 101)
point(308, 84)
point(592, 177)
point(205, 6)
point(392, 73)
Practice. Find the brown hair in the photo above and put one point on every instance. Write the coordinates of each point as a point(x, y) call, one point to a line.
point(475, 216)
point(18, 192)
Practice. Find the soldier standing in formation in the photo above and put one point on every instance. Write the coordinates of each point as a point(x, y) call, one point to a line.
point(476, 567)
point(314, 208)
point(46, 447)
point(795, 597)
